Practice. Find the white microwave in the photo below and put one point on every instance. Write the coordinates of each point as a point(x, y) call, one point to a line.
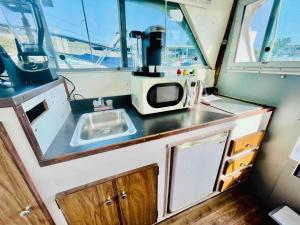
point(159, 94)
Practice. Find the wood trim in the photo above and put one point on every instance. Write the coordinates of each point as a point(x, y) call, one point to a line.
point(76, 155)
point(29, 132)
point(82, 187)
point(17, 160)
point(23, 97)
point(46, 162)
point(225, 39)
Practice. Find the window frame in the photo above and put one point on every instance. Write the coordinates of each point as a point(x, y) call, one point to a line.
point(264, 67)
point(123, 41)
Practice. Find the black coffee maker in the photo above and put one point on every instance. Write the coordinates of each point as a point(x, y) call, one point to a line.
point(153, 44)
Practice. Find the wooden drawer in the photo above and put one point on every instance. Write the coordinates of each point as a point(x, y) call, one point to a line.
point(239, 163)
point(235, 179)
point(251, 141)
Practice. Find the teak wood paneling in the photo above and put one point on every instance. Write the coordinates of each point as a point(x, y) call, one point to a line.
point(234, 179)
point(94, 205)
point(239, 163)
point(16, 193)
point(251, 141)
point(138, 197)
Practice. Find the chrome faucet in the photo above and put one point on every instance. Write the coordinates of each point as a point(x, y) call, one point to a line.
point(101, 105)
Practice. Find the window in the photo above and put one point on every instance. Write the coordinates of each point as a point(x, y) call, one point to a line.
point(269, 32)
point(286, 42)
point(181, 47)
point(85, 33)
point(92, 33)
point(103, 26)
point(7, 39)
point(18, 22)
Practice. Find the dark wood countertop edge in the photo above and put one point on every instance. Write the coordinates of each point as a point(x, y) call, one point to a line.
point(77, 155)
point(27, 95)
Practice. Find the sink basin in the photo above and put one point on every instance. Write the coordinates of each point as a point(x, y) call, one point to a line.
point(100, 126)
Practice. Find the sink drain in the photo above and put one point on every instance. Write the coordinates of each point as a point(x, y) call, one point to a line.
point(106, 131)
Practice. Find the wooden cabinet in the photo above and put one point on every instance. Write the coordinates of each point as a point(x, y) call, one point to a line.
point(251, 141)
point(93, 205)
point(138, 197)
point(129, 198)
point(234, 179)
point(240, 158)
point(240, 162)
point(18, 204)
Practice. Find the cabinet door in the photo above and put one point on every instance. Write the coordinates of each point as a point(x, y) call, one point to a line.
point(138, 197)
point(15, 195)
point(239, 163)
point(234, 179)
point(94, 205)
point(251, 141)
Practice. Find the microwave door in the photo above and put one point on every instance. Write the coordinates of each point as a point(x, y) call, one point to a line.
point(165, 95)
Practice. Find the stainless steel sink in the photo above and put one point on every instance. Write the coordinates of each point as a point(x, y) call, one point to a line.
point(100, 126)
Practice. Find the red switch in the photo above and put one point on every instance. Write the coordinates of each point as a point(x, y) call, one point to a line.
point(179, 72)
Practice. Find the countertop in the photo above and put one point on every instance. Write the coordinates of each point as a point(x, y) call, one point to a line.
point(148, 127)
point(12, 97)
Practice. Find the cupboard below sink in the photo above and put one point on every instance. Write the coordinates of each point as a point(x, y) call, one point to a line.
point(129, 198)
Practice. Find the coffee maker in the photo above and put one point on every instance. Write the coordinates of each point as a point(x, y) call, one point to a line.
point(23, 55)
point(153, 43)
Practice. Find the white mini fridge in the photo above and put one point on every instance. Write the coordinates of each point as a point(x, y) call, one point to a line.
point(194, 170)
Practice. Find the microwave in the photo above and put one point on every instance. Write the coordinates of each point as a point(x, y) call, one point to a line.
point(159, 94)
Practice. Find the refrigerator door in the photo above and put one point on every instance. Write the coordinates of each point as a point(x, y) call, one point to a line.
point(195, 168)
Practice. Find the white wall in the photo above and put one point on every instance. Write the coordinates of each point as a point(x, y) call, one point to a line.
point(115, 83)
point(100, 84)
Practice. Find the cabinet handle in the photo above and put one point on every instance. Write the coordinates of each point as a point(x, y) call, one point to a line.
point(123, 194)
point(243, 164)
point(26, 212)
point(108, 201)
point(249, 146)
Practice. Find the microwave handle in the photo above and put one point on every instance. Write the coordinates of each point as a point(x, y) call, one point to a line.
point(187, 94)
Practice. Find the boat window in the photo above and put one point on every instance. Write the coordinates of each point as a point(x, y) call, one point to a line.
point(269, 32)
point(84, 34)
point(94, 34)
point(181, 49)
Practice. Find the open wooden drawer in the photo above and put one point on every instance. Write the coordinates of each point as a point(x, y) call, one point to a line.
point(251, 141)
point(234, 179)
point(237, 163)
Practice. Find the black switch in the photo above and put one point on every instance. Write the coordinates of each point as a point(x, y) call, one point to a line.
point(193, 84)
point(297, 171)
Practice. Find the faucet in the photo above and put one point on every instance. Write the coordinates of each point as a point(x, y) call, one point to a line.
point(101, 105)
